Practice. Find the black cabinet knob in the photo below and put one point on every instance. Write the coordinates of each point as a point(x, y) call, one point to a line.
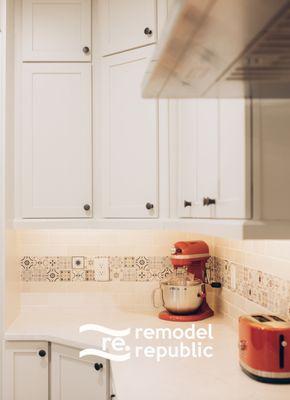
point(86, 49)
point(148, 31)
point(149, 206)
point(42, 353)
point(187, 203)
point(98, 366)
point(87, 207)
point(216, 285)
point(207, 201)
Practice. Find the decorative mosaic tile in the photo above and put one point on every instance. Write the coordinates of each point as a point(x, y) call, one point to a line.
point(65, 275)
point(129, 274)
point(264, 289)
point(80, 268)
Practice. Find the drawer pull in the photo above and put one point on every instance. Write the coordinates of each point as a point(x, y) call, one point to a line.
point(207, 201)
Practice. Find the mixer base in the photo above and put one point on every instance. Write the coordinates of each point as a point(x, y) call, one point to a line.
point(202, 313)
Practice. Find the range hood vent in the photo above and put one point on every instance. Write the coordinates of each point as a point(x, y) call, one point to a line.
point(223, 48)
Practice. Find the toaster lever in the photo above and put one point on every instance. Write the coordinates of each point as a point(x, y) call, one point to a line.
point(282, 345)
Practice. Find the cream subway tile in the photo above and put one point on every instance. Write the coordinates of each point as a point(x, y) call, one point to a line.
point(280, 268)
point(235, 312)
point(42, 250)
point(282, 250)
point(259, 247)
point(33, 237)
point(273, 248)
point(66, 237)
point(139, 238)
point(168, 238)
point(248, 246)
point(222, 242)
point(83, 250)
point(92, 237)
point(112, 250)
point(239, 257)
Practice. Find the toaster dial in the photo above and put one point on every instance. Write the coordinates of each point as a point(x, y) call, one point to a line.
point(243, 345)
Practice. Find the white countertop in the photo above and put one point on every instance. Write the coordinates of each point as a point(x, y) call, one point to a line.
point(145, 378)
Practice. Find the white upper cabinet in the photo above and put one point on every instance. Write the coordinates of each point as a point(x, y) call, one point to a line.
point(213, 159)
point(56, 30)
point(130, 132)
point(56, 141)
point(128, 24)
point(271, 122)
point(185, 127)
point(234, 160)
point(73, 378)
point(206, 155)
point(26, 371)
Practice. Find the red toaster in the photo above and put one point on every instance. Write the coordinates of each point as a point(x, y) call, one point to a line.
point(264, 347)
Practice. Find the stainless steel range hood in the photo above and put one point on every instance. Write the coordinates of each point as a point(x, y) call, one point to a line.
point(223, 48)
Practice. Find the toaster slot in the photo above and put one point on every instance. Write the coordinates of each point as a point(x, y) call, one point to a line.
point(261, 318)
point(275, 318)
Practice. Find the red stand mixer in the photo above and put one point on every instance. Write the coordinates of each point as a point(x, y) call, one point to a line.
point(183, 292)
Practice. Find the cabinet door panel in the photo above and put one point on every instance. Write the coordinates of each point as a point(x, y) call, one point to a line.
point(271, 121)
point(234, 160)
point(73, 378)
point(130, 138)
point(57, 165)
point(124, 23)
point(206, 155)
point(56, 30)
point(186, 130)
point(26, 373)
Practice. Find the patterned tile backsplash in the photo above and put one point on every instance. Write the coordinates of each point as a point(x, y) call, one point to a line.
point(259, 287)
point(262, 288)
point(65, 269)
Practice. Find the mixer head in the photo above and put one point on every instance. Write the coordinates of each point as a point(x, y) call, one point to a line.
point(186, 254)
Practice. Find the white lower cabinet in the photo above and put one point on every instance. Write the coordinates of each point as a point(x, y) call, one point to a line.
point(43, 371)
point(73, 378)
point(26, 373)
point(130, 134)
point(213, 167)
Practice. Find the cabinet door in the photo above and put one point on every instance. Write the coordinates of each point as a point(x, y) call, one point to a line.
point(73, 378)
point(26, 371)
point(56, 30)
point(206, 156)
point(57, 165)
point(234, 163)
point(186, 131)
point(130, 138)
point(124, 24)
